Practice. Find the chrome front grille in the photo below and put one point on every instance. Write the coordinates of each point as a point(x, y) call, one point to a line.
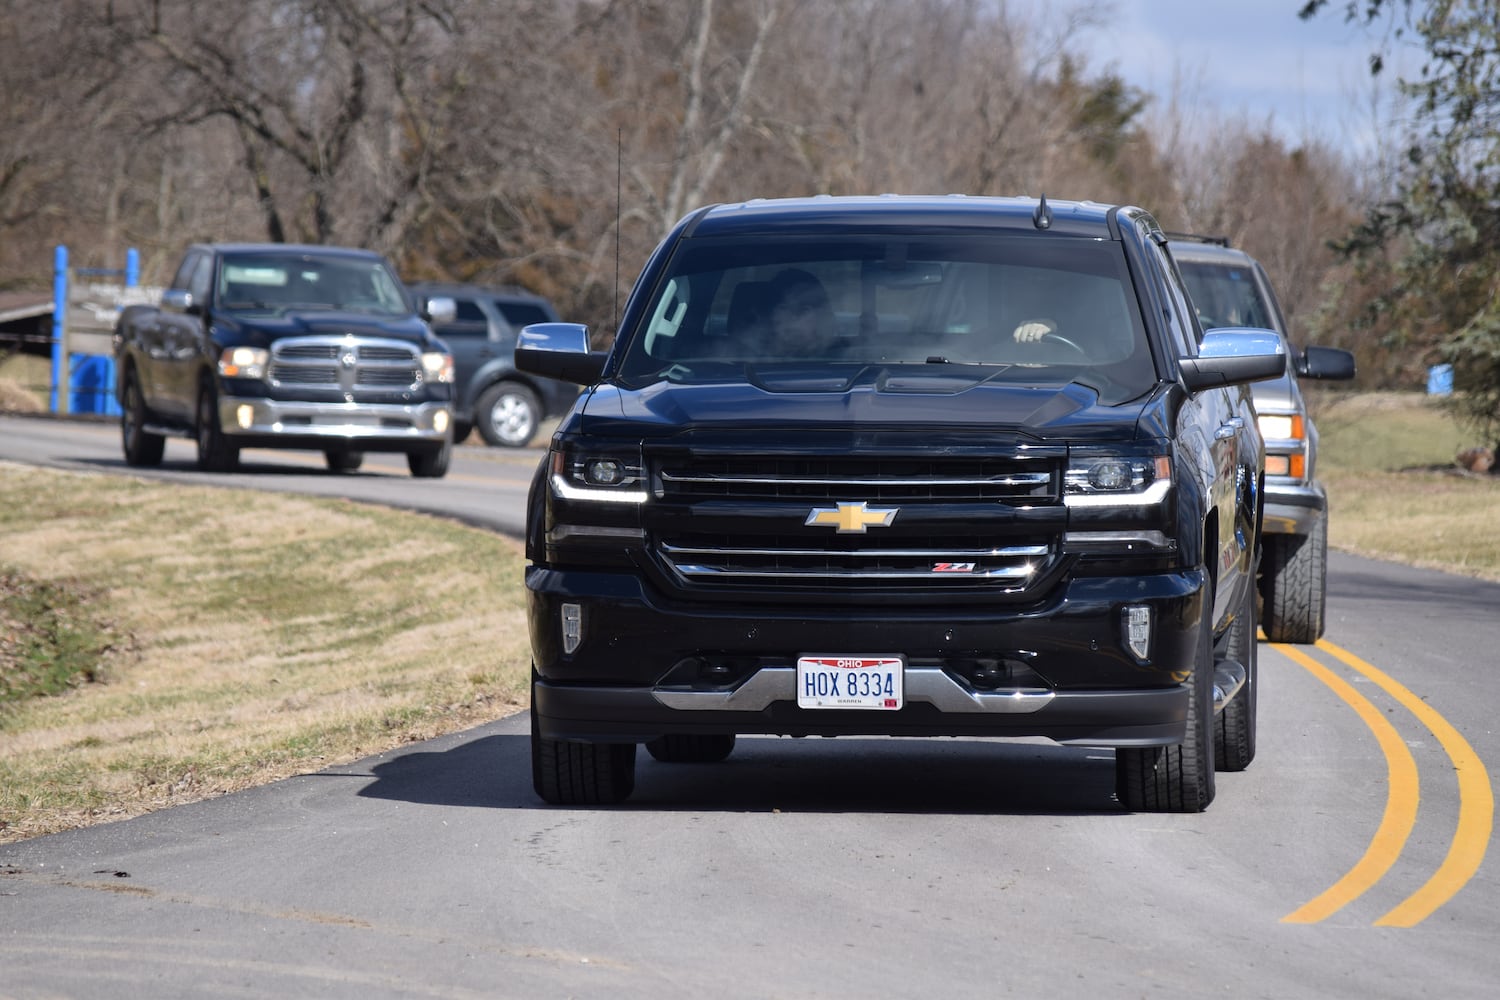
point(345, 363)
point(961, 523)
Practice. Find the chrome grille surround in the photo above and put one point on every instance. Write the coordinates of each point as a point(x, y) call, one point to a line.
point(346, 363)
point(924, 550)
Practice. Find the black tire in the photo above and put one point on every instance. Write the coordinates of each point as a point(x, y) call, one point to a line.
point(431, 463)
point(340, 460)
point(507, 415)
point(1177, 778)
point(216, 453)
point(1234, 727)
point(691, 749)
point(580, 774)
point(1294, 583)
point(142, 448)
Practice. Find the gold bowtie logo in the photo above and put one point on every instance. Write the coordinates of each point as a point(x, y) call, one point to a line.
point(852, 517)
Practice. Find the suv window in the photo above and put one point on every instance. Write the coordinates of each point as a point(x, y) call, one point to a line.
point(519, 314)
point(731, 306)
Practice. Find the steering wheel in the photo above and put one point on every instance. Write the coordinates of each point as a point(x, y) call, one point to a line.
point(1057, 338)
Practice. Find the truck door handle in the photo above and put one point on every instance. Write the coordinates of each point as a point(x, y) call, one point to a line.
point(1229, 429)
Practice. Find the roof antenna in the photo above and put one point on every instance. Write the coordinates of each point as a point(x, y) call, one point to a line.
point(1042, 217)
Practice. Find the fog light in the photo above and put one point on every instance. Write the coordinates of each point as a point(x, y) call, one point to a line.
point(1278, 465)
point(1136, 624)
point(440, 421)
point(572, 626)
point(244, 415)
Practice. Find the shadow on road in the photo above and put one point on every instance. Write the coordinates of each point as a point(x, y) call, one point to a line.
point(764, 775)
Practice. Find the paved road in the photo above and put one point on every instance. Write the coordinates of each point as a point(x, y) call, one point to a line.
point(1354, 858)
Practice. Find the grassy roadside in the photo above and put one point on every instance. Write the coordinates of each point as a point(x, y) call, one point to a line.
point(1395, 492)
point(238, 637)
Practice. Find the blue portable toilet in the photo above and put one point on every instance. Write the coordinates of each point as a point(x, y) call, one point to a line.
point(1440, 380)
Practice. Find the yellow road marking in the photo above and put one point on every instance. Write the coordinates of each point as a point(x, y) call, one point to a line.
point(1476, 802)
point(1400, 805)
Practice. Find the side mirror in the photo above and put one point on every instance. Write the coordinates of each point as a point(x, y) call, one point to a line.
point(1234, 357)
point(179, 300)
point(438, 309)
point(561, 351)
point(1330, 363)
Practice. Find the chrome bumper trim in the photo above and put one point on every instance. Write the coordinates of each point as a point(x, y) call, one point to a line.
point(920, 684)
point(385, 421)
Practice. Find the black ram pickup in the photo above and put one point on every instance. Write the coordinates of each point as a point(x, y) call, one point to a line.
point(900, 466)
point(279, 346)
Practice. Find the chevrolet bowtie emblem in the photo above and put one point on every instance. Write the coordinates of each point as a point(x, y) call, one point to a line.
point(855, 517)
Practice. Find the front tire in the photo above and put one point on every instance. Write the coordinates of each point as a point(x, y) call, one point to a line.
point(142, 448)
point(1177, 778)
point(432, 463)
point(1295, 585)
point(580, 774)
point(507, 415)
point(216, 453)
point(1234, 727)
point(343, 461)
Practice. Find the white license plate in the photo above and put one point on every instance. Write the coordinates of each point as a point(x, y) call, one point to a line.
point(850, 682)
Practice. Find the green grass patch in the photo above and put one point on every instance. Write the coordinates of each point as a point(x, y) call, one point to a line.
point(51, 639)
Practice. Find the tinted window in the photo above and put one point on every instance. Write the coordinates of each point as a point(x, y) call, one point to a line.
point(906, 301)
point(468, 311)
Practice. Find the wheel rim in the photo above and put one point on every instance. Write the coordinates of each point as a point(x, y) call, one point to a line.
point(512, 419)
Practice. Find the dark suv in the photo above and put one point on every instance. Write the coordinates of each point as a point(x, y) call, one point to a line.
point(900, 466)
point(1231, 289)
point(504, 405)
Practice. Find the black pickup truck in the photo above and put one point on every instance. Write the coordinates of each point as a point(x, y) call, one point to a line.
point(900, 466)
point(281, 346)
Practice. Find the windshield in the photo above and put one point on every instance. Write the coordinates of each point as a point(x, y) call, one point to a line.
point(280, 283)
point(1225, 295)
point(1025, 308)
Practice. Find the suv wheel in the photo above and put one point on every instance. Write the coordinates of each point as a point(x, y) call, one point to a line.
point(1294, 583)
point(680, 748)
point(578, 774)
point(1234, 727)
point(142, 448)
point(216, 453)
point(507, 414)
point(1178, 778)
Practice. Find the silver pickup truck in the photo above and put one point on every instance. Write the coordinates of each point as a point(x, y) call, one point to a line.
point(1229, 288)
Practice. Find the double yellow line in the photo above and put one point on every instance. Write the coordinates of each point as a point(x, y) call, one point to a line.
point(1476, 807)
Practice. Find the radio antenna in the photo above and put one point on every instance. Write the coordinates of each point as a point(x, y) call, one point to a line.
point(619, 170)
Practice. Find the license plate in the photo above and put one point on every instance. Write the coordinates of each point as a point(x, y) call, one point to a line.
point(850, 682)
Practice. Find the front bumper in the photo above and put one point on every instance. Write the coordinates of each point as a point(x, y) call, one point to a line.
point(1293, 508)
point(255, 421)
point(645, 668)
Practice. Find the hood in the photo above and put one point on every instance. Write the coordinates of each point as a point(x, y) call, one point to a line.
point(943, 402)
point(264, 329)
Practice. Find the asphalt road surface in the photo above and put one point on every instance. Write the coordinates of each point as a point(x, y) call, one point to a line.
point(1353, 859)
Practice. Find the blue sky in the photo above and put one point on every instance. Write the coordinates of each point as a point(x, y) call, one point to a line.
point(1252, 60)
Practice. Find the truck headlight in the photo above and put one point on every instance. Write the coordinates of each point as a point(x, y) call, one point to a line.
point(244, 362)
point(1116, 480)
point(601, 478)
point(437, 367)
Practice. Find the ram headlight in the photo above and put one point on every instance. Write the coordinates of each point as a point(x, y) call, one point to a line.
point(244, 362)
point(437, 367)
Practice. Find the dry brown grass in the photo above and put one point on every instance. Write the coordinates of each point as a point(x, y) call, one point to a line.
point(262, 635)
